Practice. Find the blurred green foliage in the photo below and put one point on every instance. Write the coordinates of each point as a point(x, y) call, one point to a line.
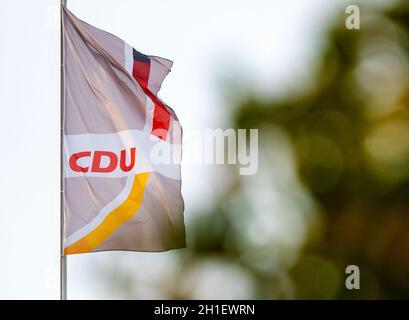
point(350, 136)
point(350, 133)
point(333, 183)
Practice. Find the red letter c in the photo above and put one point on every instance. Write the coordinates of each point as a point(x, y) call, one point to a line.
point(74, 158)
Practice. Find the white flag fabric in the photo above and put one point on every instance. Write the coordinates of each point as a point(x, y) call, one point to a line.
point(122, 147)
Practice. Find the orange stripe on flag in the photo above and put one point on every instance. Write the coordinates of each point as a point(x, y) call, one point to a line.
point(113, 220)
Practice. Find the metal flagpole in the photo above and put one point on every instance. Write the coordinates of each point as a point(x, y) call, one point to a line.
point(63, 258)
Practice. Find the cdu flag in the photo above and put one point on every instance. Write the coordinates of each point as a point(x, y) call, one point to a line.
point(119, 193)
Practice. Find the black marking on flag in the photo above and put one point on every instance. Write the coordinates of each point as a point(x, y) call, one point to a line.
point(137, 56)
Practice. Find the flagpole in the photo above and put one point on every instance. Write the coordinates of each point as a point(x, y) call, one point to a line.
point(63, 258)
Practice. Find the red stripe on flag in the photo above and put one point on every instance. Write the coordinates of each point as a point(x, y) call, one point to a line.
point(140, 72)
point(161, 115)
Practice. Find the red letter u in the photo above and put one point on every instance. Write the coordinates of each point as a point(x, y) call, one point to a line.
point(123, 165)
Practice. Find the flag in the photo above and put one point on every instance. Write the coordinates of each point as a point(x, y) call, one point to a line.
point(119, 192)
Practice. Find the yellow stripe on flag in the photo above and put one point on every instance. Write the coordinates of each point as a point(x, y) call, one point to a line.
point(113, 220)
